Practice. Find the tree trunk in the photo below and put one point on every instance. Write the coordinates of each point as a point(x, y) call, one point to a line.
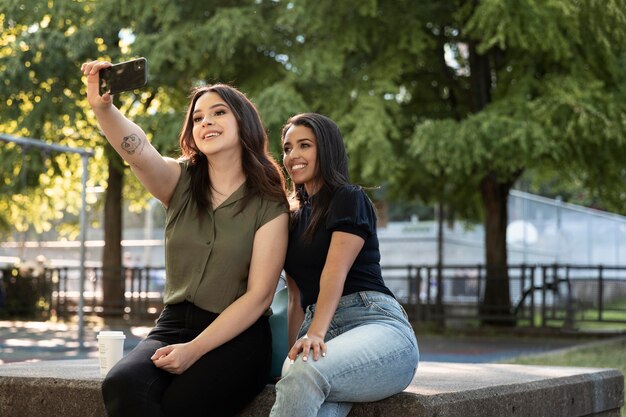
point(480, 79)
point(112, 274)
point(496, 304)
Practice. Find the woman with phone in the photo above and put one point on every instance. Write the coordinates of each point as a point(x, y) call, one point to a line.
point(350, 338)
point(225, 241)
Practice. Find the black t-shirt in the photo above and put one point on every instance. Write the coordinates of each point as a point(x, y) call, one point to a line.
point(350, 211)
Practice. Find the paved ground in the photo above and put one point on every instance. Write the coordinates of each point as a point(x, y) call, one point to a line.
point(32, 341)
point(35, 341)
point(482, 349)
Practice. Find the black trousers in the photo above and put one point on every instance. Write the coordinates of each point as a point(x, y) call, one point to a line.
point(220, 383)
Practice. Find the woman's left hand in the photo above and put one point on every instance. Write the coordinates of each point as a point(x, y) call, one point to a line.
point(175, 359)
point(306, 344)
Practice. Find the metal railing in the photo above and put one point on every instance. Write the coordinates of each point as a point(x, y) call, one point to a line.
point(55, 292)
point(549, 295)
point(546, 295)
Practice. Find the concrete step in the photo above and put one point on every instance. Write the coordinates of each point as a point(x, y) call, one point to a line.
point(71, 388)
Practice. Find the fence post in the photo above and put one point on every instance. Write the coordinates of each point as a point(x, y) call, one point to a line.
point(411, 284)
point(522, 281)
point(555, 289)
point(479, 268)
point(600, 292)
point(95, 303)
point(532, 296)
point(569, 311)
point(427, 309)
point(417, 286)
point(543, 296)
point(63, 279)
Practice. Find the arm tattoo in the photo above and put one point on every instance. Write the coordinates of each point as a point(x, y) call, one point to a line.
point(132, 143)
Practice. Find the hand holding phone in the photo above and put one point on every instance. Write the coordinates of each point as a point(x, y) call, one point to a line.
point(125, 76)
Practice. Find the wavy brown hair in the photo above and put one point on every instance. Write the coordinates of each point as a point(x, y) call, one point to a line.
point(264, 176)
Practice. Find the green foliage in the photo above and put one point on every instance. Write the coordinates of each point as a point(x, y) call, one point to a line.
point(369, 138)
point(552, 105)
point(547, 27)
point(276, 104)
point(401, 78)
point(453, 101)
point(41, 48)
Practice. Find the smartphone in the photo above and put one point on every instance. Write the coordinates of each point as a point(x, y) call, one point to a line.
point(125, 76)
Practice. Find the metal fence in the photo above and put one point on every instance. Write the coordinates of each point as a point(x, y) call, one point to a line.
point(55, 292)
point(548, 295)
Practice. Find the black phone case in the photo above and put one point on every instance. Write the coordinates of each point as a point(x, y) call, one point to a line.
point(125, 76)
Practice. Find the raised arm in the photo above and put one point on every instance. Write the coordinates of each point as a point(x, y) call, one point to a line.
point(268, 257)
point(343, 250)
point(158, 174)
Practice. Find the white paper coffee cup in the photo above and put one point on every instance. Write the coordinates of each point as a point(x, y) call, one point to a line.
point(111, 349)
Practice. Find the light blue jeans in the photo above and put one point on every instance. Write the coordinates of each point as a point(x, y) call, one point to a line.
point(371, 354)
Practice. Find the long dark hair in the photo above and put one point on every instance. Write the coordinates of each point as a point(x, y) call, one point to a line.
point(263, 174)
point(332, 166)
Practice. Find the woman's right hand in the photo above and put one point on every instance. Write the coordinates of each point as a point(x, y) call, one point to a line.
point(307, 345)
point(91, 70)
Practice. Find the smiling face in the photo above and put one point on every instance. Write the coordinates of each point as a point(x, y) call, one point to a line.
point(215, 129)
point(300, 157)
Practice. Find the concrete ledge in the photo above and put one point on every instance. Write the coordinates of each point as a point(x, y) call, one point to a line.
point(72, 388)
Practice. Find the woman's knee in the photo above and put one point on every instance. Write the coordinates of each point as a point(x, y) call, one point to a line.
point(307, 374)
point(117, 384)
point(116, 393)
point(113, 381)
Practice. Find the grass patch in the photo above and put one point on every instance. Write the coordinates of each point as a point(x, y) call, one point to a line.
point(614, 320)
point(604, 355)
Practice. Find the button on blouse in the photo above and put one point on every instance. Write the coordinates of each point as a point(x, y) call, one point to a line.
point(207, 258)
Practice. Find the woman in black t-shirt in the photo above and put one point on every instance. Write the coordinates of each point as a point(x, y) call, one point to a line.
point(350, 338)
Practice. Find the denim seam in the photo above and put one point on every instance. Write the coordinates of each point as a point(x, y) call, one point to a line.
point(404, 322)
point(387, 358)
point(381, 310)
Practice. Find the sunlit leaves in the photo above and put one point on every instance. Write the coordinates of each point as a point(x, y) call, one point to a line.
point(276, 104)
point(40, 50)
point(394, 75)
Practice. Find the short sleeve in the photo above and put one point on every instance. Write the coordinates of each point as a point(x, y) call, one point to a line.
point(351, 211)
point(181, 194)
point(269, 210)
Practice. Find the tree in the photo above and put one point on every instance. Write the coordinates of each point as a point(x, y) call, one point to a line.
point(186, 43)
point(37, 101)
point(449, 100)
point(543, 86)
point(43, 46)
point(442, 98)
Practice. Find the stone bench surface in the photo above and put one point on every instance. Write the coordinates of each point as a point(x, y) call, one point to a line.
point(72, 388)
